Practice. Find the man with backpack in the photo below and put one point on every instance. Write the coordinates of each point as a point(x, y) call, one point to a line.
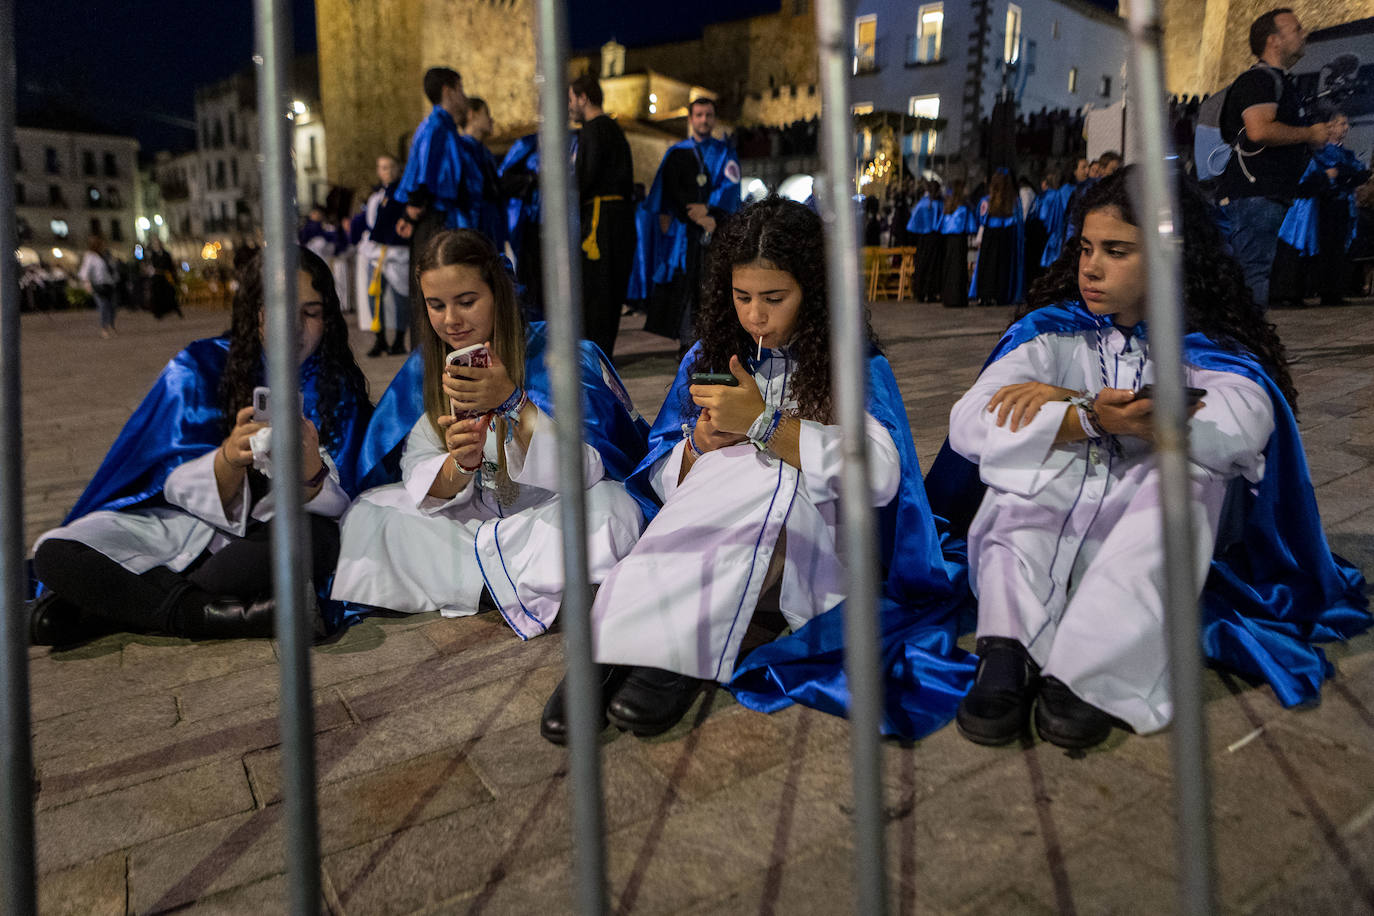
point(1263, 119)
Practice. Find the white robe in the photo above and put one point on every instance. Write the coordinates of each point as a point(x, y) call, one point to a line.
point(196, 519)
point(1065, 552)
point(683, 598)
point(408, 551)
point(395, 264)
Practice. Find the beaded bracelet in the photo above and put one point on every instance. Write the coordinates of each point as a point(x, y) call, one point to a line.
point(510, 408)
point(689, 437)
point(469, 471)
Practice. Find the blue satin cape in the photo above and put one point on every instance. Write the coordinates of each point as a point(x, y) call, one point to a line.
point(924, 591)
point(522, 215)
point(1299, 227)
point(610, 424)
point(1016, 291)
point(660, 255)
point(439, 161)
point(180, 419)
point(925, 216)
point(1274, 586)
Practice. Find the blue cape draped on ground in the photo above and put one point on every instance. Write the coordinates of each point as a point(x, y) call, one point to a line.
point(610, 424)
point(1274, 586)
point(180, 419)
point(924, 591)
point(660, 255)
point(441, 163)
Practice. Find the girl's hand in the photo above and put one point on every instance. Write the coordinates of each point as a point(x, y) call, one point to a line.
point(1121, 413)
point(311, 461)
point(733, 410)
point(235, 447)
point(476, 389)
point(1021, 402)
point(463, 439)
point(708, 437)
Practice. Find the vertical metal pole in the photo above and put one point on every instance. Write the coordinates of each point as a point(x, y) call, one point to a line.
point(849, 348)
point(290, 537)
point(17, 869)
point(1161, 234)
point(562, 278)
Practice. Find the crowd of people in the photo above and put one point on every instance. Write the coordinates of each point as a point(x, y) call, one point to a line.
point(722, 517)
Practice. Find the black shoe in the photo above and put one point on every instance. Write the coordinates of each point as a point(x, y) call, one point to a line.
point(379, 347)
point(229, 618)
point(997, 708)
point(54, 622)
point(553, 725)
point(1063, 719)
point(652, 700)
point(398, 346)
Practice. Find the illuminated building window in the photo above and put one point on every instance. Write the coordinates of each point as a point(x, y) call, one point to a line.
point(930, 22)
point(866, 44)
point(1011, 48)
point(1073, 79)
point(925, 106)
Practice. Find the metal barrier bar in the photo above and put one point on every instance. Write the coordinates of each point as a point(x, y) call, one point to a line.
point(563, 305)
point(290, 536)
point(18, 873)
point(849, 348)
point(1161, 234)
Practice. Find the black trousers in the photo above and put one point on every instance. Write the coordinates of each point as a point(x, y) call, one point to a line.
point(954, 292)
point(163, 600)
point(605, 280)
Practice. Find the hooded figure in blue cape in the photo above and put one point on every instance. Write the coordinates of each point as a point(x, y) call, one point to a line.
point(697, 180)
point(150, 527)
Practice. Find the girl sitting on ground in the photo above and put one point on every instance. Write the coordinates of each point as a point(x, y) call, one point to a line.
point(742, 482)
point(172, 534)
point(1065, 550)
point(473, 523)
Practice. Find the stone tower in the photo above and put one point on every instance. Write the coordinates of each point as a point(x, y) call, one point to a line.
point(373, 56)
point(1206, 45)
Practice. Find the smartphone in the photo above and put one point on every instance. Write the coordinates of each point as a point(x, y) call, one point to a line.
point(714, 378)
point(262, 404)
point(476, 356)
point(1148, 391)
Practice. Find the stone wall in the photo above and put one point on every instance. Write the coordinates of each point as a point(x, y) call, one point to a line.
point(1207, 44)
point(373, 57)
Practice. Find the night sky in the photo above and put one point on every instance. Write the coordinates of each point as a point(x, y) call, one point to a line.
point(133, 65)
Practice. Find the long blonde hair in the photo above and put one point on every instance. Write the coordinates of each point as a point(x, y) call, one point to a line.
point(464, 246)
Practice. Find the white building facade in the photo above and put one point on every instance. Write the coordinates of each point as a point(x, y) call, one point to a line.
point(954, 60)
point(70, 185)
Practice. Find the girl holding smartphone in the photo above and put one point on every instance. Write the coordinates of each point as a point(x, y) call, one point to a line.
point(472, 521)
point(172, 534)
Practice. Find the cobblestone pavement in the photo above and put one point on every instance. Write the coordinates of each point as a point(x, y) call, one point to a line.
point(159, 758)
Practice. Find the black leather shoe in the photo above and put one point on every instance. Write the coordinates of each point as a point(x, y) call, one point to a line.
point(652, 700)
point(553, 725)
point(398, 346)
point(229, 618)
point(379, 347)
point(997, 708)
point(54, 622)
point(1064, 720)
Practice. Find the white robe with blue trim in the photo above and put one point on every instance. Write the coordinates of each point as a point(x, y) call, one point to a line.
point(405, 550)
point(1065, 553)
point(682, 600)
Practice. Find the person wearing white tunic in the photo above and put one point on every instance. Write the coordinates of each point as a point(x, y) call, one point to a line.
point(172, 534)
point(1064, 551)
point(473, 524)
point(749, 493)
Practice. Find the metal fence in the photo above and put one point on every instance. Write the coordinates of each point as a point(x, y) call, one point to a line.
point(290, 537)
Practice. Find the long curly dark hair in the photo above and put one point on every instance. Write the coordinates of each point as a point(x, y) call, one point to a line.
point(783, 235)
point(340, 376)
point(1216, 301)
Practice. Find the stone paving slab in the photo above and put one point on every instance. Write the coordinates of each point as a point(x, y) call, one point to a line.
point(160, 763)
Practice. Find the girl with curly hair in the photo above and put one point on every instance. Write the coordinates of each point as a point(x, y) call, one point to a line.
point(472, 524)
point(172, 535)
point(1065, 552)
point(742, 481)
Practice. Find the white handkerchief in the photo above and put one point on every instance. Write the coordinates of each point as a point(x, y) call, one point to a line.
point(261, 444)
